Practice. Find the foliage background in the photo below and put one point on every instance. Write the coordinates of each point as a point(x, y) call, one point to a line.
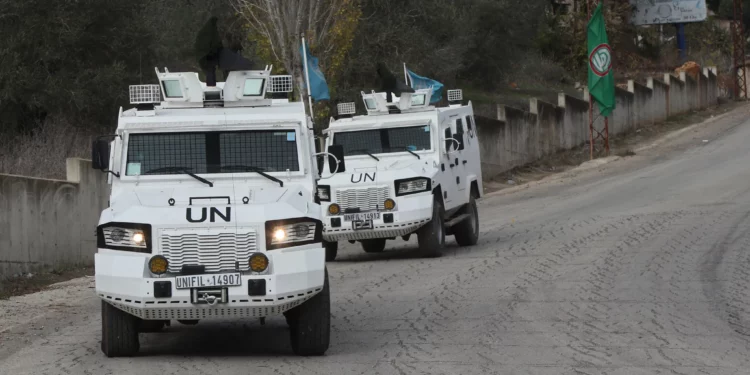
point(65, 65)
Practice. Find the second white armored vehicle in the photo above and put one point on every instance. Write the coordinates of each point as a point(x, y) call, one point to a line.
point(412, 168)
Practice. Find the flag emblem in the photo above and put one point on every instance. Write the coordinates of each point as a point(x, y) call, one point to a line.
point(601, 60)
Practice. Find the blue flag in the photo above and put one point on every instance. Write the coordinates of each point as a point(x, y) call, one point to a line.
point(318, 85)
point(419, 82)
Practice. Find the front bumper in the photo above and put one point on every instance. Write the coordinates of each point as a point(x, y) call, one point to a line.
point(123, 280)
point(412, 212)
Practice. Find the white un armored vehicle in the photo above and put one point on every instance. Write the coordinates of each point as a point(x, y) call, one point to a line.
point(412, 168)
point(212, 211)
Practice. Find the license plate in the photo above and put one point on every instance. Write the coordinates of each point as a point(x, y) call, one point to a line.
point(202, 281)
point(362, 217)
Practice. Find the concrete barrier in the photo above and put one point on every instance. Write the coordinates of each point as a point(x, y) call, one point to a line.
point(50, 223)
point(516, 137)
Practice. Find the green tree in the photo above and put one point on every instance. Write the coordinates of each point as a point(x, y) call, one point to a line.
point(71, 59)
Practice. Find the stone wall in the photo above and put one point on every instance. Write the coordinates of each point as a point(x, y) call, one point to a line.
point(515, 137)
point(50, 223)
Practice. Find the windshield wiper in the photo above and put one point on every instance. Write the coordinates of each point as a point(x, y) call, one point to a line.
point(184, 170)
point(366, 151)
point(407, 150)
point(247, 168)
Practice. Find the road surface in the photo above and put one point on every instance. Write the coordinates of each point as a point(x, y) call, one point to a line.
point(640, 266)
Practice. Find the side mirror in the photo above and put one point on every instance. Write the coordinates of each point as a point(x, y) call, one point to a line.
point(338, 152)
point(100, 155)
point(448, 141)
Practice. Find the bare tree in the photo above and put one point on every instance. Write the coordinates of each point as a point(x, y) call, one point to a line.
point(282, 23)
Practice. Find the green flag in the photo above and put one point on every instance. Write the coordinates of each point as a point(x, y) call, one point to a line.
point(601, 81)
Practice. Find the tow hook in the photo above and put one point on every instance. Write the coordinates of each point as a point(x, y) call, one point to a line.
point(210, 297)
point(210, 300)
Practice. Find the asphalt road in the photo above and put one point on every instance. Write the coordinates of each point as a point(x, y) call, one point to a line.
point(636, 267)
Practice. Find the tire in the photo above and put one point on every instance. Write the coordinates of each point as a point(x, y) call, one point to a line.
point(191, 322)
point(310, 324)
point(119, 332)
point(332, 249)
point(431, 236)
point(151, 326)
point(467, 231)
point(376, 245)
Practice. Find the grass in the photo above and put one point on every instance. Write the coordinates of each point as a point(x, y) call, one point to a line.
point(42, 153)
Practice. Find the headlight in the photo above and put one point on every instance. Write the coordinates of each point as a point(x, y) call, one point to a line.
point(124, 236)
point(292, 232)
point(324, 193)
point(412, 186)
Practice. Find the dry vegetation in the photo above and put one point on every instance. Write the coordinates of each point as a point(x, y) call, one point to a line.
point(65, 67)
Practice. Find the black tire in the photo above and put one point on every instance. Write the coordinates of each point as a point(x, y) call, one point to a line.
point(431, 236)
point(467, 231)
point(310, 324)
point(151, 326)
point(332, 249)
point(376, 245)
point(191, 322)
point(119, 332)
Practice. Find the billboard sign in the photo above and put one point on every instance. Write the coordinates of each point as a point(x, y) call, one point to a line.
point(655, 12)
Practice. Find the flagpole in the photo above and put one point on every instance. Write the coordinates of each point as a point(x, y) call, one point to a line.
point(307, 78)
point(406, 76)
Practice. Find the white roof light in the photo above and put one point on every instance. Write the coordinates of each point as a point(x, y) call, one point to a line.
point(144, 94)
point(346, 108)
point(253, 87)
point(455, 95)
point(281, 84)
point(418, 100)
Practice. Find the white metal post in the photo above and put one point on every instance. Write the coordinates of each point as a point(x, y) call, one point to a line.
point(307, 79)
point(406, 76)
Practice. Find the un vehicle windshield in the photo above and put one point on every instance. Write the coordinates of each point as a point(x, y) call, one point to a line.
point(385, 140)
point(266, 151)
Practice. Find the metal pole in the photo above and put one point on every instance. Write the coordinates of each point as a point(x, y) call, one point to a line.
point(406, 76)
point(307, 78)
point(591, 125)
point(606, 135)
point(590, 4)
point(681, 43)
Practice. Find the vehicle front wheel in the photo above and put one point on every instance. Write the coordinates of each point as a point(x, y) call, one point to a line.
point(431, 236)
point(332, 249)
point(376, 245)
point(119, 332)
point(467, 231)
point(310, 324)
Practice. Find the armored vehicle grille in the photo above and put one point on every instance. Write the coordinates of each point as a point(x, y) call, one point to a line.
point(216, 251)
point(366, 199)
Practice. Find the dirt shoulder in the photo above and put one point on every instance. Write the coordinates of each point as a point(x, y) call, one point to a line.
point(35, 282)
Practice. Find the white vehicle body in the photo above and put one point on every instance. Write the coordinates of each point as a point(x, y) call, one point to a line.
point(207, 234)
point(444, 157)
